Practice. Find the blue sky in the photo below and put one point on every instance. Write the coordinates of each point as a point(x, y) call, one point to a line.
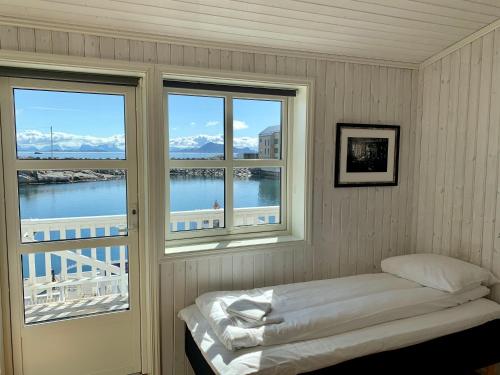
point(75, 113)
point(76, 118)
point(192, 117)
point(98, 119)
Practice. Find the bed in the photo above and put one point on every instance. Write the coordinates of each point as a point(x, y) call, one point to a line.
point(457, 338)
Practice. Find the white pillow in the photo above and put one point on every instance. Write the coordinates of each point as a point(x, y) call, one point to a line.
point(438, 271)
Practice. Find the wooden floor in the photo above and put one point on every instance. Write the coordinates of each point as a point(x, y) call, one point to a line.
point(64, 310)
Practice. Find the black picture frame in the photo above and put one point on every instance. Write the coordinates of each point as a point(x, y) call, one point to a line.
point(339, 151)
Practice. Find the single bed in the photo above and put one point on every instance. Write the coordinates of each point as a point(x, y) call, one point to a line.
point(374, 323)
point(454, 341)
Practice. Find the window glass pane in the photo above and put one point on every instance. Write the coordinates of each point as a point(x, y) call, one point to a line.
point(68, 204)
point(195, 127)
point(257, 129)
point(71, 283)
point(69, 125)
point(257, 196)
point(196, 198)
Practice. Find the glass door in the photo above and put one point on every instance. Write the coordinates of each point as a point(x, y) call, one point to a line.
point(69, 152)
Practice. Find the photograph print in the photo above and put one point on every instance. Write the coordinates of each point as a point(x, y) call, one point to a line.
point(366, 155)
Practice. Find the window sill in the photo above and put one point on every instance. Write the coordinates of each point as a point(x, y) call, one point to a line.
point(229, 246)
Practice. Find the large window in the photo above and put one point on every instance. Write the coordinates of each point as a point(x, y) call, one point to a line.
point(227, 161)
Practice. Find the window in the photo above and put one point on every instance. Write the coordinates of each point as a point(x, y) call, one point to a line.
point(227, 162)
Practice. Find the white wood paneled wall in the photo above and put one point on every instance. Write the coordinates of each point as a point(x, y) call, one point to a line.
point(456, 177)
point(353, 229)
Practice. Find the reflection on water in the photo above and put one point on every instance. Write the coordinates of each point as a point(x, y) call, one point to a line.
point(73, 200)
point(197, 193)
point(109, 197)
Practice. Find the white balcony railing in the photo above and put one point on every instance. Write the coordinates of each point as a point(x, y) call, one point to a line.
point(76, 274)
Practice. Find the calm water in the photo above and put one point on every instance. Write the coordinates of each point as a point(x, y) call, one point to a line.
point(109, 198)
point(71, 155)
point(110, 155)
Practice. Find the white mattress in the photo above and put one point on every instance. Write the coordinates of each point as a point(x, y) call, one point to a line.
point(303, 356)
point(323, 308)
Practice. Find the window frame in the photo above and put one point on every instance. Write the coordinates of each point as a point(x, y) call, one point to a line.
point(229, 231)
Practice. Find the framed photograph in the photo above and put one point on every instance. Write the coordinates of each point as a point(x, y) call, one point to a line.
point(366, 155)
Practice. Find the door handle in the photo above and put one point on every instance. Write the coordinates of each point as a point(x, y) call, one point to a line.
point(133, 218)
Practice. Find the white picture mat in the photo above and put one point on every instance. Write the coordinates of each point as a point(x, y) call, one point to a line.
point(359, 177)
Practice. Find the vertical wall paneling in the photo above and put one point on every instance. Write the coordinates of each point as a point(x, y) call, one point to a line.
point(413, 159)
point(214, 58)
point(405, 117)
point(459, 196)
point(470, 151)
point(176, 54)
point(9, 37)
point(149, 52)
point(107, 47)
point(451, 139)
point(136, 50)
point(352, 228)
point(491, 229)
point(43, 41)
point(163, 53)
point(444, 93)
point(92, 46)
point(26, 37)
point(60, 43)
point(225, 59)
point(459, 160)
point(122, 49)
point(392, 115)
point(76, 44)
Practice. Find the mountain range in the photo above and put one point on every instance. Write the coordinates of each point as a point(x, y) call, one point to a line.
point(212, 148)
point(82, 148)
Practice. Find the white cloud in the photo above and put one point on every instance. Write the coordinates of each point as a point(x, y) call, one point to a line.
point(239, 125)
point(212, 123)
point(200, 140)
point(67, 141)
point(57, 109)
point(249, 142)
point(195, 140)
point(192, 123)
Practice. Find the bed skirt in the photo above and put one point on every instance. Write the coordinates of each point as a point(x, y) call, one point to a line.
point(458, 353)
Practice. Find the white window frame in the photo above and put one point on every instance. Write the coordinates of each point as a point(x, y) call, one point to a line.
point(229, 231)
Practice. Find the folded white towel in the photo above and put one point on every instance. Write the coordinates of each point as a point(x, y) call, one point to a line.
point(249, 309)
point(242, 323)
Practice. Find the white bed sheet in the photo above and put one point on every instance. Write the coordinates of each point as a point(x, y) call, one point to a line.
point(323, 308)
point(303, 356)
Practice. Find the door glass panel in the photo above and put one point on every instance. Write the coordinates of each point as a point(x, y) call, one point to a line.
point(71, 204)
point(256, 129)
point(196, 198)
point(257, 196)
point(69, 125)
point(71, 283)
point(195, 127)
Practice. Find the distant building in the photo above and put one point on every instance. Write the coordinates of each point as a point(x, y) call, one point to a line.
point(270, 143)
point(250, 155)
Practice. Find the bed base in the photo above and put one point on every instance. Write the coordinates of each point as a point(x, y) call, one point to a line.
point(459, 353)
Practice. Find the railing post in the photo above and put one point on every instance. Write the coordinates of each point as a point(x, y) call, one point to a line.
point(32, 276)
point(123, 273)
point(48, 273)
point(63, 277)
point(93, 255)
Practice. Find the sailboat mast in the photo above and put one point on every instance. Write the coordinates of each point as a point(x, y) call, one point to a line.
point(51, 144)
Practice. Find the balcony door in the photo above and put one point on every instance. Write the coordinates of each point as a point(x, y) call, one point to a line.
point(70, 165)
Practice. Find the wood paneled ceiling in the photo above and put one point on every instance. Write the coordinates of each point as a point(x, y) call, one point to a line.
point(393, 30)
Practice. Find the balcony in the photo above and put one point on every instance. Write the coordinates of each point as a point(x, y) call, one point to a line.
point(74, 283)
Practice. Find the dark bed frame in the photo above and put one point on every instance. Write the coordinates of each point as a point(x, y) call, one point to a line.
point(458, 353)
